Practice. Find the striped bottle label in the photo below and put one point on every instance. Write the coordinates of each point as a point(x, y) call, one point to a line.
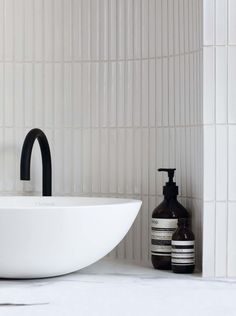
point(161, 234)
point(183, 252)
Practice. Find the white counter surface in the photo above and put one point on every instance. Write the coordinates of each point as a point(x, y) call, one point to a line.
point(115, 288)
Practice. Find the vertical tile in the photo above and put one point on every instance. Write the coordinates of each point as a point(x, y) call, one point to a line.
point(77, 29)
point(103, 88)
point(2, 23)
point(190, 25)
point(86, 102)
point(49, 94)
point(137, 161)
point(231, 87)
point(171, 92)
point(9, 158)
point(120, 94)
point(170, 27)
point(57, 29)
point(183, 187)
point(186, 26)
point(172, 147)
point(231, 162)
point(95, 160)
point(137, 28)
point(152, 162)
point(59, 163)
point(176, 23)
point(18, 138)
point(77, 95)
point(221, 22)
point(158, 91)
point(158, 21)
point(95, 94)
point(187, 90)
point(145, 230)
point(77, 161)
point(67, 23)
point(221, 162)
point(86, 184)
point(221, 85)
point(232, 22)
point(94, 8)
point(112, 30)
point(137, 94)
point(58, 95)
point(85, 33)
point(208, 86)
point(129, 29)
point(129, 94)
point(104, 161)
point(144, 87)
point(209, 239)
point(231, 251)
point(221, 239)
point(67, 168)
point(152, 93)
point(2, 96)
point(9, 30)
point(145, 161)
point(181, 26)
point(152, 28)
point(103, 28)
point(177, 90)
point(192, 88)
point(19, 96)
point(159, 160)
point(121, 160)
point(209, 163)
point(2, 161)
point(38, 29)
point(208, 22)
point(19, 35)
point(68, 106)
point(112, 161)
point(144, 19)
point(28, 30)
point(129, 161)
point(121, 29)
point(112, 94)
point(48, 29)
point(28, 95)
point(165, 99)
point(38, 94)
point(9, 94)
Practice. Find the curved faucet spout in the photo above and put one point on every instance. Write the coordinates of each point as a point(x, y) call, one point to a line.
point(46, 159)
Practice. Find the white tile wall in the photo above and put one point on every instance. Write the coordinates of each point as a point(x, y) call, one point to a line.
point(116, 86)
point(219, 138)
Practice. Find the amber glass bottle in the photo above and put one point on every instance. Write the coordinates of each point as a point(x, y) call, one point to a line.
point(164, 223)
point(183, 248)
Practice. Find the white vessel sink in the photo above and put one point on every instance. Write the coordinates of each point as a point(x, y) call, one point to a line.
point(50, 236)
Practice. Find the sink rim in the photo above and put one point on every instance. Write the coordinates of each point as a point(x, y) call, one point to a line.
point(43, 200)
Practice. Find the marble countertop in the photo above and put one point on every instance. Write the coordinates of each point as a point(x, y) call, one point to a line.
point(116, 288)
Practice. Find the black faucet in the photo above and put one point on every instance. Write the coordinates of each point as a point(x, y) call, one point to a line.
point(46, 159)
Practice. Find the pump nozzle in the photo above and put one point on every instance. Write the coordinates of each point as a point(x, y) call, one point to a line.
point(170, 189)
point(171, 173)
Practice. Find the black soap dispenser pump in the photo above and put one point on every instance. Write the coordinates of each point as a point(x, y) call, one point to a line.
point(164, 223)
